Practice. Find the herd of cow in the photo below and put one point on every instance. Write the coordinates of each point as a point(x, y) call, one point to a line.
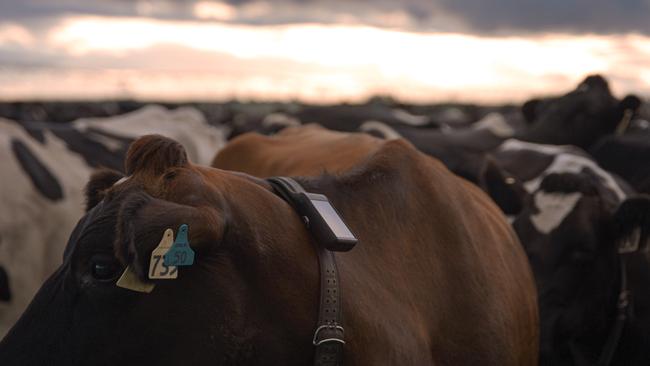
point(540, 253)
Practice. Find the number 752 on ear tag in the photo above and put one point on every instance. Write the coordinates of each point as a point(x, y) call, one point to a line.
point(157, 267)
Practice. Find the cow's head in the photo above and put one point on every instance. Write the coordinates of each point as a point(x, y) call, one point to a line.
point(571, 230)
point(252, 290)
point(578, 118)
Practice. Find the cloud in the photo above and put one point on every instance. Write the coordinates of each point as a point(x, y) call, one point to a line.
point(14, 34)
point(173, 72)
point(572, 16)
point(469, 16)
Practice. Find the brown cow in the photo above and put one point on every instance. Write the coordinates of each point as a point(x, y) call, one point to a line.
point(308, 150)
point(437, 279)
point(304, 150)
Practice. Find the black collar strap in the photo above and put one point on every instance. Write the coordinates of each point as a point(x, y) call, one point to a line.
point(328, 335)
point(622, 310)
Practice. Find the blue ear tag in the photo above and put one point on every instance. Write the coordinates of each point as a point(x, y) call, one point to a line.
point(180, 253)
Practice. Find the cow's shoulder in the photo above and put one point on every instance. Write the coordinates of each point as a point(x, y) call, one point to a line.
point(410, 177)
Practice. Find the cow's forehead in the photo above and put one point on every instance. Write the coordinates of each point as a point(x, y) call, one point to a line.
point(103, 214)
point(572, 201)
point(560, 159)
point(586, 168)
point(552, 209)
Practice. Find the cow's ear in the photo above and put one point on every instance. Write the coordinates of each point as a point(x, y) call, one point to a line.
point(99, 182)
point(153, 154)
point(630, 102)
point(529, 110)
point(506, 191)
point(143, 220)
point(595, 81)
point(632, 224)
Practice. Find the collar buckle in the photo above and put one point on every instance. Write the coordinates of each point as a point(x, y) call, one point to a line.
point(328, 333)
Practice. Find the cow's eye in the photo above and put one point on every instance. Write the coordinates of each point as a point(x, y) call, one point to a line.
point(104, 269)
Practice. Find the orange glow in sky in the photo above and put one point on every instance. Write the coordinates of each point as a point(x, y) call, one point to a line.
point(157, 59)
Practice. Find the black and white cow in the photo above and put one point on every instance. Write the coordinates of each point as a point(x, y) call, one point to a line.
point(349, 117)
point(461, 150)
point(572, 216)
point(334, 117)
point(580, 117)
point(41, 200)
point(572, 227)
point(531, 162)
point(44, 168)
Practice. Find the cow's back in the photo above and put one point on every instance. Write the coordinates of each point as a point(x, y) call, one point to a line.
point(306, 150)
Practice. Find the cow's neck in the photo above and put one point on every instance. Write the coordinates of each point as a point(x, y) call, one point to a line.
point(604, 346)
point(271, 251)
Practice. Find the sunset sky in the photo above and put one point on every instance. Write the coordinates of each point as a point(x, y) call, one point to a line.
point(319, 51)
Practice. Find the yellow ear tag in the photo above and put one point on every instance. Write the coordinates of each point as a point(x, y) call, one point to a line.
point(129, 280)
point(157, 267)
